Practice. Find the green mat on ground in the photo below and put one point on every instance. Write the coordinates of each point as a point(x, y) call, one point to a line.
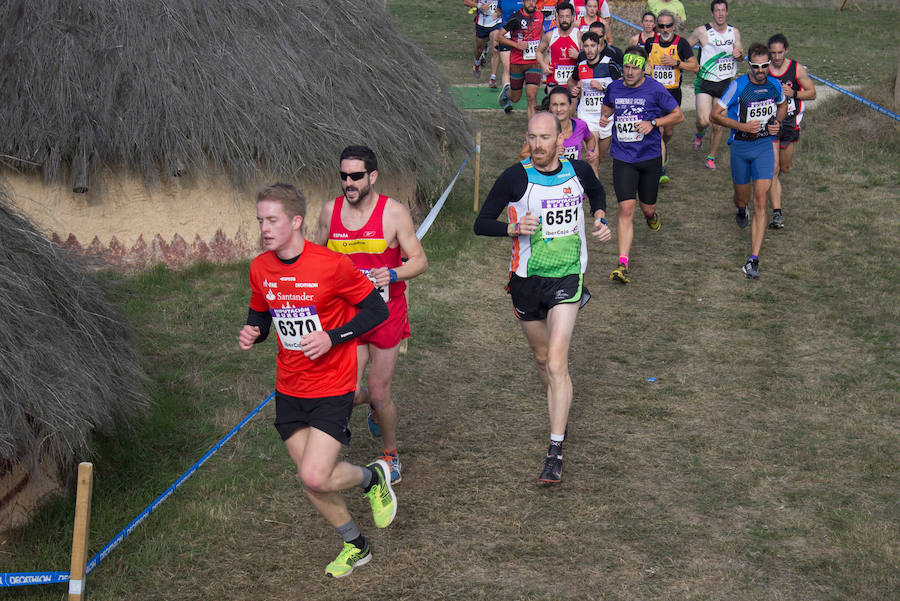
point(483, 97)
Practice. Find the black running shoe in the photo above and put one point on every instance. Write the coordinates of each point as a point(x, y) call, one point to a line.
point(742, 218)
point(552, 473)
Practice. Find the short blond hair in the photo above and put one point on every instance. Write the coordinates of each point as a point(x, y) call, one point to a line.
point(291, 198)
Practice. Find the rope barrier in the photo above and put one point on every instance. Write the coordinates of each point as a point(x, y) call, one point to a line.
point(10, 579)
point(834, 86)
point(429, 219)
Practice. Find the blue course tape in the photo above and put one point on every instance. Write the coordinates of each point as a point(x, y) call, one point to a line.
point(426, 224)
point(23, 578)
point(860, 99)
point(168, 492)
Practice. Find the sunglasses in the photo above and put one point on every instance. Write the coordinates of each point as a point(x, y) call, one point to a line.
point(356, 176)
point(759, 65)
point(665, 25)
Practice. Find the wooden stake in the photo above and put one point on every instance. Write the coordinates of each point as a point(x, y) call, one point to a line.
point(477, 168)
point(897, 89)
point(80, 531)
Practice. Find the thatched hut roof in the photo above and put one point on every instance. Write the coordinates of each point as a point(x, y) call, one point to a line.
point(234, 87)
point(67, 367)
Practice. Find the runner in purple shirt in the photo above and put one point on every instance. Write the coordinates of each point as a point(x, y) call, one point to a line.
point(637, 106)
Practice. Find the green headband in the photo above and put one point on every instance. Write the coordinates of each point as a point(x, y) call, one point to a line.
point(635, 60)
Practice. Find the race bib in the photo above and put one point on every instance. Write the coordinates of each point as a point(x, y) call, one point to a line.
point(665, 75)
point(562, 73)
point(725, 65)
point(791, 106)
point(383, 290)
point(761, 110)
point(591, 98)
point(530, 53)
point(559, 217)
point(570, 152)
point(626, 128)
point(293, 323)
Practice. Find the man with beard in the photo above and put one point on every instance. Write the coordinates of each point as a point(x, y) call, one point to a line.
point(310, 294)
point(641, 106)
point(720, 48)
point(525, 29)
point(669, 54)
point(753, 107)
point(798, 87)
point(596, 69)
point(544, 197)
point(376, 232)
point(561, 44)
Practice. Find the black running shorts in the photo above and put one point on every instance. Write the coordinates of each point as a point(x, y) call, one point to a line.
point(534, 296)
point(716, 89)
point(637, 180)
point(787, 135)
point(330, 414)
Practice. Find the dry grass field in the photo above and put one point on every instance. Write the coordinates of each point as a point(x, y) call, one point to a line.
point(761, 464)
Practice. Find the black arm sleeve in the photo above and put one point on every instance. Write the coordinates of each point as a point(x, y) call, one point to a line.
point(372, 311)
point(509, 187)
point(593, 189)
point(262, 320)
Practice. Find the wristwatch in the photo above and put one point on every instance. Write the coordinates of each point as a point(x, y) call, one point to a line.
point(653, 122)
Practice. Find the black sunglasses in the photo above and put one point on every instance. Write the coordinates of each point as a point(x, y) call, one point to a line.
point(665, 25)
point(356, 176)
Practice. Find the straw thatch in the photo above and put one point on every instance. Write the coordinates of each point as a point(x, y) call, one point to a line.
point(67, 366)
point(186, 86)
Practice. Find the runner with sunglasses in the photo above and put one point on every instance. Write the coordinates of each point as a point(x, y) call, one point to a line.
point(753, 107)
point(376, 232)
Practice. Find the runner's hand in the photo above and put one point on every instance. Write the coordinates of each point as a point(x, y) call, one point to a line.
point(315, 344)
point(774, 128)
point(381, 275)
point(247, 336)
point(751, 127)
point(528, 224)
point(601, 231)
point(644, 127)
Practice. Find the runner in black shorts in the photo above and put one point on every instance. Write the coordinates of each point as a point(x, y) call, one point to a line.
point(534, 296)
point(316, 377)
point(641, 106)
point(798, 87)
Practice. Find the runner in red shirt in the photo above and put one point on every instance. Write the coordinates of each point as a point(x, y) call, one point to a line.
point(525, 29)
point(375, 232)
point(318, 301)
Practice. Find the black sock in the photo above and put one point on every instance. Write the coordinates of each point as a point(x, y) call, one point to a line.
point(359, 542)
point(777, 211)
point(373, 479)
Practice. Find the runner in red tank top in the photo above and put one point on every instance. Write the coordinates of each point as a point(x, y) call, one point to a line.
point(375, 232)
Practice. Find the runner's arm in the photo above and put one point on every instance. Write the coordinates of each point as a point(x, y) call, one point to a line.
point(261, 320)
point(809, 88)
point(698, 36)
point(372, 311)
point(324, 224)
point(416, 261)
point(738, 52)
point(689, 62)
point(509, 187)
point(544, 47)
point(593, 189)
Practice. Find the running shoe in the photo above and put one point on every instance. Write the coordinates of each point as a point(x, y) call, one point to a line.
point(381, 496)
point(476, 71)
point(372, 421)
point(698, 142)
point(552, 473)
point(349, 557)
point(393, 460)
point(777, 222)
point(492, 82)
point(483, 58)
point(620, 274)
point(742, 217)
point(664, 177)
point(711, 162)
point(653, 222)
point(751, 269)
point(508, 107)
point(503, 98)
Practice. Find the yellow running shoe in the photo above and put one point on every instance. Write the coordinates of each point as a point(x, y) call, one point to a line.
point(381, 496)
point(349, 557)
point(620, 274)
